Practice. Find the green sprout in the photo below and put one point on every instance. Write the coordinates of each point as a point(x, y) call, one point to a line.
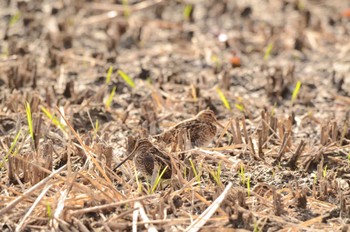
point(125, 4)
point(53, 119)
point(5, 158)
point(30, 120)
point(48, 210)
point(324, 173)
point(215, 59)
point(216, 175)
point(301, 5)
point(242, 174)
point(14, 19)
point(188, 11)
point(268, 51)
point(157, 181)
point(195, 171)
point(223, 98)
point(273, 111)
point(96, 129)
point(240, 107)
point(296, 91)
point(256, 227)
point(109, 74)
point(126, 78)
point(110, 98)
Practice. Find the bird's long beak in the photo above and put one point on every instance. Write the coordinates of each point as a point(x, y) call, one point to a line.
point(127, 158)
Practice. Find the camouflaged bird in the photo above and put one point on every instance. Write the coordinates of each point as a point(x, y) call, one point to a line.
point(148, 159)
point(201, 129)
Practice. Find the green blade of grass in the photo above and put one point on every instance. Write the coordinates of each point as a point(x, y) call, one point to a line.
point(223, 98)
point(126, 78)
point(240, 107)
point(296, 91)
point(11, 149)
point(242, 174)
point(268, 51)
point(125, 4)
point(14, 19)
point(159, 177)
point(195, 171)
point(96, 126)
point(48, 210)
point(109, 74)
point(53, 119)
point(324, 173)
point(217, 174)
point(188, 11)
point(110, 98)
point(29, 120)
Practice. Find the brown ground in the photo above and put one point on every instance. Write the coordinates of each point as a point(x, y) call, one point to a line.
point(285, 164)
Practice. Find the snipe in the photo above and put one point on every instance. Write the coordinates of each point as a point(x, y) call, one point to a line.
point(148, 159)
point(201, 129)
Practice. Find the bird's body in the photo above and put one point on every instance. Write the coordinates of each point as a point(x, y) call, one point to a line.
point(201, 129)
point(147, 159)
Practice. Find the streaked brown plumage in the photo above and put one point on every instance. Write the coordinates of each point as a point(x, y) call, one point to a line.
point(147, 157)
point(201, 129)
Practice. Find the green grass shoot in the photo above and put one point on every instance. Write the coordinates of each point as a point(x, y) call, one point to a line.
point(9, 152)
point(195, 171)
point(215, 59)
point(109, 74)
point(223, 98)
point(126, 78)
point(158, 179)
point(125, 4)
point(296, 91)
point(324, 173)
point(188, 11)
point(248, 186)
point(349, 158)
point(53, 119)
point(256, 227)
point(242, 174)
point(110, 98)
point(268, 51)
point(14, 19)
point(217, 174)
point(96, 129)
point(240, 107)
point(48, 209)
point(29, 120)
point(149, 81)
point(273, 110)
point(301, 5)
